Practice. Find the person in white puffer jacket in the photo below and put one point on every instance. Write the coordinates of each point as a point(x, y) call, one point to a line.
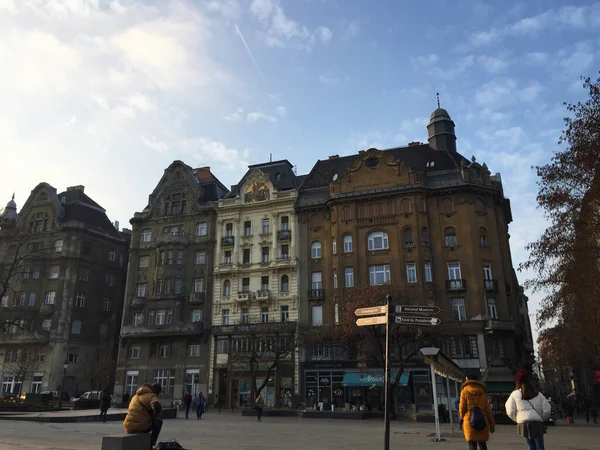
point(530, 409)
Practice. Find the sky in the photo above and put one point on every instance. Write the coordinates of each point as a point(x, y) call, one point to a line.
point(107, 93)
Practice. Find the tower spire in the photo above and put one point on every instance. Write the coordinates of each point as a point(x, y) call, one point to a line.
point(438, 99)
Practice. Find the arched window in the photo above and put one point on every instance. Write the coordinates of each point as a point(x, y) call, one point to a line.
point(405, 206)
point(421, 205)
point(425, 236)
point(348, 243)
point(378, 240)
point(447, 206)
point(450, 237)
point(285, 283)
point(346, 213)
point(334, 246)
point(479, 205)
point(408, 237)
point(483, 240)
point(315, 250)
point(226, 288)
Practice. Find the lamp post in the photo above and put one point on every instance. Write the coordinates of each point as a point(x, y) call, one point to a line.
point(62, 384)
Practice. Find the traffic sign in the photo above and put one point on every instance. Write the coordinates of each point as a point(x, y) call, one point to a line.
point(422, 321)
point(377, 320)
point(415, 309)
point(371, 311)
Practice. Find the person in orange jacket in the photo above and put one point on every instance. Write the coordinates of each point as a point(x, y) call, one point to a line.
point(475, 412)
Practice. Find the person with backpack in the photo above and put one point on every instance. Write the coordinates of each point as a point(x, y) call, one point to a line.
point(475, 412)
point(529, 409)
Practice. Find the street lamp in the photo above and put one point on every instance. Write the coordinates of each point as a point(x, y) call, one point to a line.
point(62, 384)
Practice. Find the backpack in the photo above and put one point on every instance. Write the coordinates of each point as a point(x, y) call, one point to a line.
point(169, 445)
point(477, 419)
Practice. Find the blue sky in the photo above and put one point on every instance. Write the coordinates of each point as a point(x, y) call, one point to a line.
point(108, 93)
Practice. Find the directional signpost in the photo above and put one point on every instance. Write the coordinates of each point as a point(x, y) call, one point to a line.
point(371, 311)
point(422, 321)
point(423, 310)
point(376, 320)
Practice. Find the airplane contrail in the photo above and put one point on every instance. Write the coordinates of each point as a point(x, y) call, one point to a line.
point(250, 53)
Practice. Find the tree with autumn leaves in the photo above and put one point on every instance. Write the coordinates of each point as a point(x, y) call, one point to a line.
point(566, 258)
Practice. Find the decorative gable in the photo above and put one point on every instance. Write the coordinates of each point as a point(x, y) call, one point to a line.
point(257, 187)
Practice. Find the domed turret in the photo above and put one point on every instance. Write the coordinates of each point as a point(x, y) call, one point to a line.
point(10, 212)
point(440, 131)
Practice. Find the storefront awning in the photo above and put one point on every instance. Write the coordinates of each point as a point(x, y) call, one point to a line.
point(371, 378)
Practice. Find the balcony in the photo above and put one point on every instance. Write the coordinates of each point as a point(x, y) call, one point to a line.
point(173, 238)
point(47, 309)
point(25, 336)
point(263, 295)
point(197, 297)
point(174, 329)
point(245, 296)
point(491, 285)
point(500, 325)
point(138, 302)
point(456, 285)
point(284, 235)
point(285, 260)
point(316, 294)
point(227, 241)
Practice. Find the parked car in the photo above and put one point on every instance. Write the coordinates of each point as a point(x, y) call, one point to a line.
point(91, 399)
point(54, 395)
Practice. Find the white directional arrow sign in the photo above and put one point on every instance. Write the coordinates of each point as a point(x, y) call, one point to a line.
point(421, 321)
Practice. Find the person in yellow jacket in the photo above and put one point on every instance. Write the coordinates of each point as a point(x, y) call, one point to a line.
point(143, 413)
point(473, 395)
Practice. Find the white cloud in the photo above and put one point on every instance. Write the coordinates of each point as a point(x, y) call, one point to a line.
point(501, 94)
point(329, 78)
point(349, 29)
point(230, 9)
point(493, 64)
point(537, 58)
point(575, 61)
point(425, 61)
point(324, 34)
point(280, 110)
point(235, 116)
point(258, 116)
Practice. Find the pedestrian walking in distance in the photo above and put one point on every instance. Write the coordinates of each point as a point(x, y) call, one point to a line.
point(105, 401)
point(187, 403)
point(200, 404)
point(475, 412)
point(530, 409)
point(259, 404)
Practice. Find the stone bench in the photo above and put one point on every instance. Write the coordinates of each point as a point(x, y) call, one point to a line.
point(140, 441)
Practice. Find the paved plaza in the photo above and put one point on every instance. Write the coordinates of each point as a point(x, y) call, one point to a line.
point(224, 431)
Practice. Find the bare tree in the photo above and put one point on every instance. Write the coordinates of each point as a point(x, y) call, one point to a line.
point(99, 368)
point(22, 363)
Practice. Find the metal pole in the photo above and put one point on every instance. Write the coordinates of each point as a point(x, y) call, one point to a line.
point(435, 403)
point(449, 403)
point(386, 413)
point(62, 388)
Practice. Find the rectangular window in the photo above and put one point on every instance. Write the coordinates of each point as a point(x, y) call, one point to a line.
point(349, 276)
point(264, 314)
point(458, 309)
point(164, 351)
point(166, 378)
point(285, 252)
point(4, 301)
point(264, 284)
point(427, 272)
point(201, 229)
point(198, 285)
point(80, 300)
point(50, 297)
point(143, 262)
point(487, 272)
point(138, 319)
point(411, 273)
point(265, 254)
point(134, 352)
point(180, 257)
point(200, 258)
point(112, 255)
point(178, 284)
point(35, 274)
point(316, 315)
point(58, 246)
point(193, 350)
point(167, 286)
point(378, 240)
point(106, 304)
point(54, 272)
point(36, 383)
point(170, 257)
point(32, 296)
point(335, 279)
point(225, 317)
point(347, 243)
point(379, 275)
point(285, 223)
point(76, 327)
point(316, 280)
point(246, 256)
point(245, 315)
point(146, 235)
point(227, 259)
point(196, 315)
point(140, 289)
point(454, 274)
point(228, 229)
point(110, 280)
point(131, 382)
point(492, 311)
point(22, 298)
point(248, 228)
point(245, 284)
point(266, 227)
point(72, 357)
point(161, 258)
point(285, 313)
point(84, 274)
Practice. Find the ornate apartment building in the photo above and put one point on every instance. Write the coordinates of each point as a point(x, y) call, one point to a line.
point(255, 303)
point(424, 215)
point(62, 275)
point(166, 319)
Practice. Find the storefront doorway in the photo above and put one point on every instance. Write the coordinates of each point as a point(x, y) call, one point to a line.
point(324, 389)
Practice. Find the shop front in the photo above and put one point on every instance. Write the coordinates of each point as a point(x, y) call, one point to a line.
point(280, 382)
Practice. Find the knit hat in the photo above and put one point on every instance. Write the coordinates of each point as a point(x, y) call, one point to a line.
point(522, 376)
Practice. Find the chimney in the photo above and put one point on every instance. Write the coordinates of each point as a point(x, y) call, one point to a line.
point(414, 144)
point(334, 156)
point(76, 188)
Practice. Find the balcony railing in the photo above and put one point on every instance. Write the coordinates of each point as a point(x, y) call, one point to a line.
point(138, 302)
point(245, 296)
point(227, 241)
point(263, 295)
point(196, 297)
point(456, 285)
point(491, 285)
point(316, 294)
point(173, 238)
point(500, 325)
point(284, 235)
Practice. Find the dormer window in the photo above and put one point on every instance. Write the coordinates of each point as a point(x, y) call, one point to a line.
point(372, 163)
point(175, 204)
